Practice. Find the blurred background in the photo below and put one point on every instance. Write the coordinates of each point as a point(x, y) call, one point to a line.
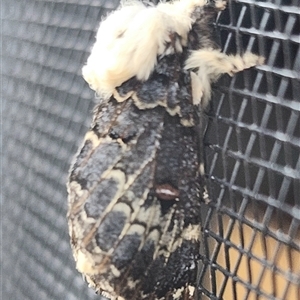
point(251, 233)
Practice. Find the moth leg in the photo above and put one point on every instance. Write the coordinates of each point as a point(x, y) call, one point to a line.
point(210, 64)
point(214, 63)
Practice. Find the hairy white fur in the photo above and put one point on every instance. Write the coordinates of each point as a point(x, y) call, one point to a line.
point(211, 64)
point(130, 39)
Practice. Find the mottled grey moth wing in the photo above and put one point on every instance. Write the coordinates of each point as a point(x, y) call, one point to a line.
point(134, 201)
point(135, 188)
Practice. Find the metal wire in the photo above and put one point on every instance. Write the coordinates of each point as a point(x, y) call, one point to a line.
point(251, 236)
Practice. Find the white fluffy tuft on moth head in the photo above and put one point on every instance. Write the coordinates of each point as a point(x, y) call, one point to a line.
point(129, 41)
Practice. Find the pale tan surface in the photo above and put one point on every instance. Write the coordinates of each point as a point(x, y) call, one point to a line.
point(254, 263)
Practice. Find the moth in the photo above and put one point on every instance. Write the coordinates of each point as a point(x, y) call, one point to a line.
point(136, 186)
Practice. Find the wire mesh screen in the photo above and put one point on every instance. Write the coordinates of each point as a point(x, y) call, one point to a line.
point(251, 235)
point(251, 232)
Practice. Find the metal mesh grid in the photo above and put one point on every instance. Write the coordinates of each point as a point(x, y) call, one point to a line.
point(251, 235)
point(47, 109)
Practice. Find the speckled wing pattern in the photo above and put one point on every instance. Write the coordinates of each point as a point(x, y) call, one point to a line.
point(135, 188)
point(134, 195)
